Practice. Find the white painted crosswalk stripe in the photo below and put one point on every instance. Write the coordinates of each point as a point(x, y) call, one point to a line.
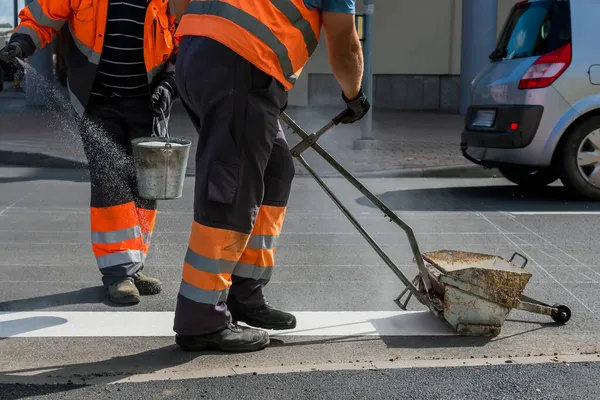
point(160, 324)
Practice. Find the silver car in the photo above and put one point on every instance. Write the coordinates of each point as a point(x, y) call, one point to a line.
point(535, 109)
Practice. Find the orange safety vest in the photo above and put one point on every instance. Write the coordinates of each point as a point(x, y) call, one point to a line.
point(277, 36)
point(42, 19)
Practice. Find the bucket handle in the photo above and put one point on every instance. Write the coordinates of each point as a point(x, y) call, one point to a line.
point(166, 125)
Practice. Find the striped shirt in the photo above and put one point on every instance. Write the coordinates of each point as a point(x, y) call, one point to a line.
point(122, 71)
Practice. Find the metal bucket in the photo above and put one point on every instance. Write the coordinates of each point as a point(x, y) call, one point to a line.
point(160, 165)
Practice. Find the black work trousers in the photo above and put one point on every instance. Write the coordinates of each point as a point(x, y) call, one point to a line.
point(121, 222)
point(244, 172)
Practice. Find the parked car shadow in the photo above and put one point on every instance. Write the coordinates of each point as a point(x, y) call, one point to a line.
point(484, 198)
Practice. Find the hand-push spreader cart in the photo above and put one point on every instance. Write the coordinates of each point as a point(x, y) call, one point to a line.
point(472, 292)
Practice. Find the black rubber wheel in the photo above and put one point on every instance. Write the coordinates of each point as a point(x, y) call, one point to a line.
point(581, 141)
point(562, 315)
point(527, 176)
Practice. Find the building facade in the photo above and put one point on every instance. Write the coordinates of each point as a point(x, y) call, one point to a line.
point(416, 57)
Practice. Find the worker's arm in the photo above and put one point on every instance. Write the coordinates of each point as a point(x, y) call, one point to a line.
point(180, 6)
point(166, 90)
point(173, 23)
point(40, 21)
point(345, 51)
point(346, 60)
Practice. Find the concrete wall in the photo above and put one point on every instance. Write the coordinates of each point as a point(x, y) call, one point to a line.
point(416, 57)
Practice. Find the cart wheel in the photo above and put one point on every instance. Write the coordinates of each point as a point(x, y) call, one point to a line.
point(562, 315)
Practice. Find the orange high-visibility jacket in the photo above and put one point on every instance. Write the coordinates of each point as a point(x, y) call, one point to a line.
point(277, 36)
point(41, 20)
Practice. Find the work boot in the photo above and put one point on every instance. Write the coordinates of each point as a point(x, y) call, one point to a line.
point(233, 338)
point(147, 285)
point(123, 292)
point(265, 316)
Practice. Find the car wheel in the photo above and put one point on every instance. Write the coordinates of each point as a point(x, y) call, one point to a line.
point(527, 176)
point(580, 159)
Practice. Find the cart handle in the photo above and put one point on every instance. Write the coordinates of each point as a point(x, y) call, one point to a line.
point(309, 140)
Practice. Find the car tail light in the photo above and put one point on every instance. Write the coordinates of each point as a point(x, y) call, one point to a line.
point(546, 69)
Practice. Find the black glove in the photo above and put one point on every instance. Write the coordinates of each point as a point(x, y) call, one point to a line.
point(161, 103)
point(10, 53)
point(357, 108)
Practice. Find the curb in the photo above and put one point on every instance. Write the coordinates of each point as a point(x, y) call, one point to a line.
point(449, 171)
point(40, 160)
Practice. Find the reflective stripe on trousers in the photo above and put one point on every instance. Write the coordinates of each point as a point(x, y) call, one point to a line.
point(116, 235)
point(121, 235)
point(214, 255)
point(258, 258)
point(209, 262)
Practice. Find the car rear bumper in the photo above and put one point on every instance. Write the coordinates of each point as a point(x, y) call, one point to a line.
point(500, 134)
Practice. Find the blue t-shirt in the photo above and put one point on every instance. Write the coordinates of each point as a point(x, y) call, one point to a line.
point(341, 6)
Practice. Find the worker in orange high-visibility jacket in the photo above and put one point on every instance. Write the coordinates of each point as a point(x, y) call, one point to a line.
point(238, 60)
point(120, 60)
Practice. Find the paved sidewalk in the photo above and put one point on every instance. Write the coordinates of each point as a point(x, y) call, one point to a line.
point(409, 142)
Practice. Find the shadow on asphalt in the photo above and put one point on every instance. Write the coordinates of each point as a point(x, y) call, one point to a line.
point(39, 174)
point(483, 198)
point(416, 342)
point(107, 371)
point(393, 342)
point(12, 392)
point(90, 295)
point(29, 324)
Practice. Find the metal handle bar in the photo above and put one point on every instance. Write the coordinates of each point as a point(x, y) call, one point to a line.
point(312, 138)
point(392, 216)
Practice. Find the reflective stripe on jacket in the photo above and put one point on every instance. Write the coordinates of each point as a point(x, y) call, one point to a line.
point(41, 20)
point(277, 36)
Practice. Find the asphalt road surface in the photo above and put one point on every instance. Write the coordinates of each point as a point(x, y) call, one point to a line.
point(351, 342)
point(562, 381)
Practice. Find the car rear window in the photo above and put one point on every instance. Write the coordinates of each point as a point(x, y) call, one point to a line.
point(534, 29)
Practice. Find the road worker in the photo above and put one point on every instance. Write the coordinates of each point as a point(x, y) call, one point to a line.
point(238, 60)
point(121, 82)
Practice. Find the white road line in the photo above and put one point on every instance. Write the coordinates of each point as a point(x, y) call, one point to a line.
point(537, 264)
point(554, 212)
point(160, 324)
point(15, 203)
point(557, 248)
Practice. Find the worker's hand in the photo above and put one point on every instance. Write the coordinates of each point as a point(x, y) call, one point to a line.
point(10, 53)
point(161, 103)
point(162, 98)
point(357, 108)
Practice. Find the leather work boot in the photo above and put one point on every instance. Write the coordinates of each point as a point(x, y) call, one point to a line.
point(123, 292)
point(147, 285)
point(233, 338)
point(265, 317)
